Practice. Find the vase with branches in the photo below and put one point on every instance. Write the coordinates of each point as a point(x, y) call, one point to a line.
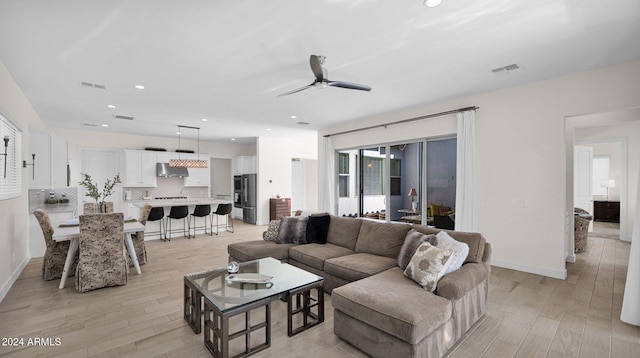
point(92, 191)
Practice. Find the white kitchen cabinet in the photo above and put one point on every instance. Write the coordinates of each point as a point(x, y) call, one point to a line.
point(244, 164)
point(140, 168)
point(52, 158)
point(198, 176)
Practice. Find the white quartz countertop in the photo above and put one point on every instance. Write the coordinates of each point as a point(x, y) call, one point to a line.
point(177, 202)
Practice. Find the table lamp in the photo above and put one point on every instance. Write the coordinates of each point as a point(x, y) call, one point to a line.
point(413, 194)
point(608, 183)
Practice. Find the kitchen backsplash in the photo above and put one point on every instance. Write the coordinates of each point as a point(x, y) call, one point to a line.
point(168, 187)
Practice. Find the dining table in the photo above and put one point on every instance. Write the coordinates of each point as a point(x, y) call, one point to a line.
point(70, 231)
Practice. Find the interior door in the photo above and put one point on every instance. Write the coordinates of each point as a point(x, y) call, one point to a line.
point(583, 177)
point(101, 164)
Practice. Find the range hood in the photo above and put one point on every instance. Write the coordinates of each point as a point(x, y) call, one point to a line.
point(164, 170)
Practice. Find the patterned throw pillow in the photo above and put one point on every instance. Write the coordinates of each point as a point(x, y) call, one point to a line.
point(460, 250)
point(411, 243)
point(272, 231)
point(428, 265)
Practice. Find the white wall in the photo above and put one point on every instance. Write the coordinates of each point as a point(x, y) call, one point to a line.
point(521, 167)
point(14, 221)
point(274, 168)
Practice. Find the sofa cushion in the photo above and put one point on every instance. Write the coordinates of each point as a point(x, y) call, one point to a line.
point(428, 265)
point(460, 251)
point(357, 266)
point(411, 243)
point(258, 249)
point(475, 240)
point(343, 231)
point(318, 228)
point(383, 239)
point(394, 304)
point(314, 255)
point(293, 230)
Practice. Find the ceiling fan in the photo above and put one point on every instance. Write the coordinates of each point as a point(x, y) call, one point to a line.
point(322, 80)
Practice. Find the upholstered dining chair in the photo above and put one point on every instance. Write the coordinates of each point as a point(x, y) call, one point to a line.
point(138, 237)
point(56, 253)
point(103, 257)
point(92, 208)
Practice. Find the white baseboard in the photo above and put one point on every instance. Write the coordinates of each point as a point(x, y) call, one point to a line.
point(571, 258)
point(559, 274)
point(7, 286)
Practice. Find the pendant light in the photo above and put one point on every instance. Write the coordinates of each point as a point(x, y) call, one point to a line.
point(188, 163)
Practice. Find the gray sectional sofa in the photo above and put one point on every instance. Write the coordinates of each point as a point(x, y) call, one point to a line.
point(377, 308)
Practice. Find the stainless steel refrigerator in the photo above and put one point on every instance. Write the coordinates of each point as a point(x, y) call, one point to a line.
point(249, 198)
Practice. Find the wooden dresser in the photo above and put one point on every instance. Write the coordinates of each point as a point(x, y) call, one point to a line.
point(606, 211)
point(279, 208)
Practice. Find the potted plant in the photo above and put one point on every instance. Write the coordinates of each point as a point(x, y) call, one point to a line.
point(91, 189)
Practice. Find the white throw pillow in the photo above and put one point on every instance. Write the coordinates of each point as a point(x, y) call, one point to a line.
point(460, 250)
point(428, 265)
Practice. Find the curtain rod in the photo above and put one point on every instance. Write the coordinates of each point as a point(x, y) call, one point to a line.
point(385, 125)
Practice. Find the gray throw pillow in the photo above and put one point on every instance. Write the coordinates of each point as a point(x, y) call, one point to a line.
point(428, 265)
point(293, 230)
point(412, 241)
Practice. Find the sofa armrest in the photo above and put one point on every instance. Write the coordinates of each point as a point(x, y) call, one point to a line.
point(456, 284)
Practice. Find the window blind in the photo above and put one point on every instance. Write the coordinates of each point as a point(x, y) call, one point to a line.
point(11, 183)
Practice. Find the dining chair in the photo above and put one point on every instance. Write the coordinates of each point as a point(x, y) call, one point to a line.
point(224, 210)
point(138, 237)
point(178, 212)
point(56, 253)
point(103, 257)
point(92, 208)
point(202, 211)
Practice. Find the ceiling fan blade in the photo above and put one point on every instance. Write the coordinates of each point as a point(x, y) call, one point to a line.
point(349, 85)
point(316, 67)
point(296, 90)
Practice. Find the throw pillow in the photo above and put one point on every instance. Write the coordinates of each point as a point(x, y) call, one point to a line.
point(272, 231)
point(317, 229)
point(293, 230)
point(412, 241)
point(428, 265)
point(460, 250)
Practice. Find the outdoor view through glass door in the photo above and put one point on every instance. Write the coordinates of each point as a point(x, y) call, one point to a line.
point(382, 182)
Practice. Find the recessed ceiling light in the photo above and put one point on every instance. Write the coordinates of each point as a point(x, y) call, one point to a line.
point(294, 117)
point(233, 139)
point(141, 87)
point(111, 106)
point(204, 119)
point(268, 129)
point(178, 133)
point(105, 125)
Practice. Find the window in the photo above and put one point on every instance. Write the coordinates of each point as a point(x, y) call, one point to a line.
point(396, 176)
point(10, 173)
point(373, 176)
point(343, 175)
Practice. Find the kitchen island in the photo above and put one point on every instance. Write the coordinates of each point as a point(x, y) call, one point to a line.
point(167, 203)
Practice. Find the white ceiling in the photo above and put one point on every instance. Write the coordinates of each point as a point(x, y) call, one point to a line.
point(228, 60)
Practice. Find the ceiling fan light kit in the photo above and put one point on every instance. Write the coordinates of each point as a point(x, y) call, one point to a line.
point(322, 81)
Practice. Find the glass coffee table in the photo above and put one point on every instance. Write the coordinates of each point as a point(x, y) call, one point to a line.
point(225, 295)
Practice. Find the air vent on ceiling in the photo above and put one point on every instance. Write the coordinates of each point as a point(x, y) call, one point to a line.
point(89, 124)
point(119, 116)
point(505, 69)
point(93, 85)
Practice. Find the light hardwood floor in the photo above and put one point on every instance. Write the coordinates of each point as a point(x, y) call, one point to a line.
point(528, 315)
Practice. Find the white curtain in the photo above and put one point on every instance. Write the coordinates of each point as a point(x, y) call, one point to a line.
point(631, 301)
point(465, 193)
point(327, 178)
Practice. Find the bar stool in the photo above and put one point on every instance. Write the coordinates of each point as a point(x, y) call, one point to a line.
point(178, 212)
point(224, 210)
point(202, 211)
point(157, 213)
